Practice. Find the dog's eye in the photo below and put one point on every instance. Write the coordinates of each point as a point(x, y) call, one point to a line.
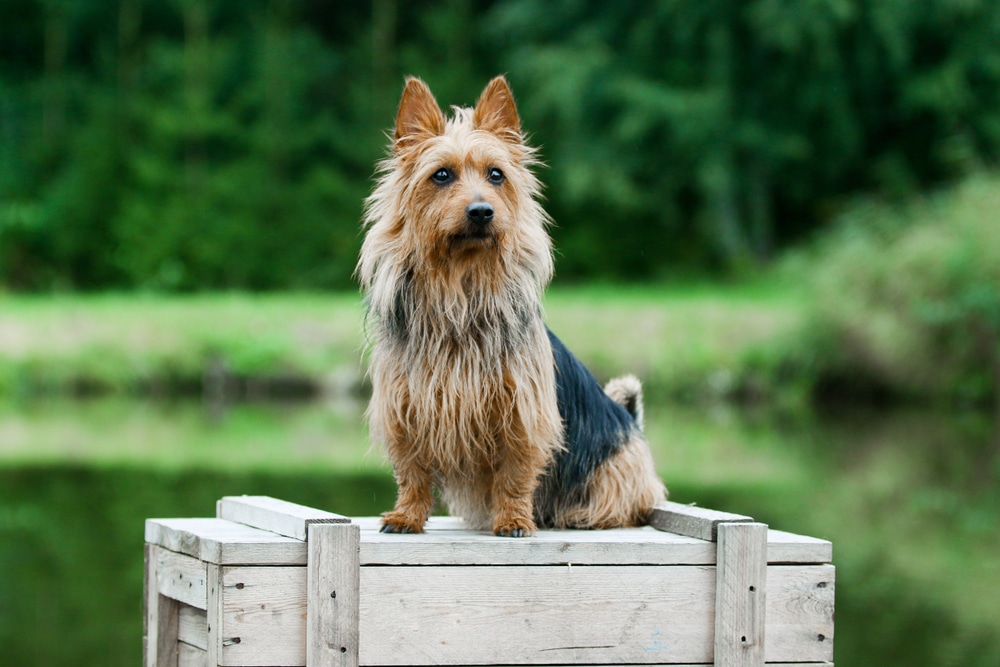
point(494, 176)
point(443, 176)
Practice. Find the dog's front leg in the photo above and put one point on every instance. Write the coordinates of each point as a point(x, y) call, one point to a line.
point(514, 483)
point(414, 501)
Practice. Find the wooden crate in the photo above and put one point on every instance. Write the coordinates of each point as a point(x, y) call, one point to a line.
point(269, 583)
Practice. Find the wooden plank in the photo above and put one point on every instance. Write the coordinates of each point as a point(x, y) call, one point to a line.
point(190, 656)
point(265, 607)
point(800, 613)
point(785, 547)
point(215, 631)
point(740, 595)
point(274, 515)
point(182, 578)
point(333, 580)
point(225, 542)
point(536, 615)
point(692, 521)
point(562, 614)
point(192, 628)
point(448, 542)
point(161, 616)
point(445, 544)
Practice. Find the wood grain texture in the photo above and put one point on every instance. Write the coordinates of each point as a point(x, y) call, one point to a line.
point(567, 615)
point(536, 615)
point(740, 595)
point(193, 627)
point(448, 542)
point(225, 542)
point(800, 613)
point(190, 656)
point(161, 616)
point(333, 581)
point(265, 609)
point(274, 515)
point(692, 521)
point(216, 633)
point(455, 596)
point(182, 578)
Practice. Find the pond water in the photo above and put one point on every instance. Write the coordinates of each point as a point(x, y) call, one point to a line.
point(910, 500)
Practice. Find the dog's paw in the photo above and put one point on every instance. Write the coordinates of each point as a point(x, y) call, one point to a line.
point(514, 528)
point(393, 523)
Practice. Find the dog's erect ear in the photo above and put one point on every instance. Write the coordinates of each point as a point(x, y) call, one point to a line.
point(495, 111)
point(419, 116)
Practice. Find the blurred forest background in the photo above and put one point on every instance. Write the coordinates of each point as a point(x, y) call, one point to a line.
point(193, 145)
point(783, 215)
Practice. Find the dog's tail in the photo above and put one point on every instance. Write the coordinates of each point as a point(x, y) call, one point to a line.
point(626, 391)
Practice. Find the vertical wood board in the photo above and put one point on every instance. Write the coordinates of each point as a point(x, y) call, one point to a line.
point(333, 581)
point(192, 628)
point(216, 632)
point(740, 595)
point(190, 656)
point(161, 615)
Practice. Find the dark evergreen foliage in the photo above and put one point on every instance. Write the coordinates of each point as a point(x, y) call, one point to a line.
point(213, 144)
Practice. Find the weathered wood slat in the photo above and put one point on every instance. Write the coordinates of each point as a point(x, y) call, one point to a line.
point(332, 583)
point(182, 578)
point(253, 593)
point(447, 542)
point(666, 618)
point(641, 614)
point(561, 615)
point(161, 615)
point(217, 634)
point(225, 542)
point(800, 613)
point(193, 627)
point(785, 547)
point(740, 592)
point(265, 609)
point(691, 520)
point(274, 515)
point(190, 656)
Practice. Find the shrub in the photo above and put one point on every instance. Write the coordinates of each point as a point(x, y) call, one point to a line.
point(906, 297)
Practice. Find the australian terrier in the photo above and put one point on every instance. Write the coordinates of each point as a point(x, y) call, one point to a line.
point(472, 394)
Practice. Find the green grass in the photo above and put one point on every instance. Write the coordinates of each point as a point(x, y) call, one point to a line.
point(120, 343)
point(676, 338)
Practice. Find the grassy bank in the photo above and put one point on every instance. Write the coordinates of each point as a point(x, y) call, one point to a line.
point(683, 341)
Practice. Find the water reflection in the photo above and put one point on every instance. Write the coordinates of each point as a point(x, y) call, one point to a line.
point(909, 499)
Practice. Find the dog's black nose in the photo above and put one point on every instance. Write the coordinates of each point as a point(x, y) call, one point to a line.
point(479, 213)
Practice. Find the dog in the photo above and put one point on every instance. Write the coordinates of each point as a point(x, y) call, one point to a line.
point(472, 395)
